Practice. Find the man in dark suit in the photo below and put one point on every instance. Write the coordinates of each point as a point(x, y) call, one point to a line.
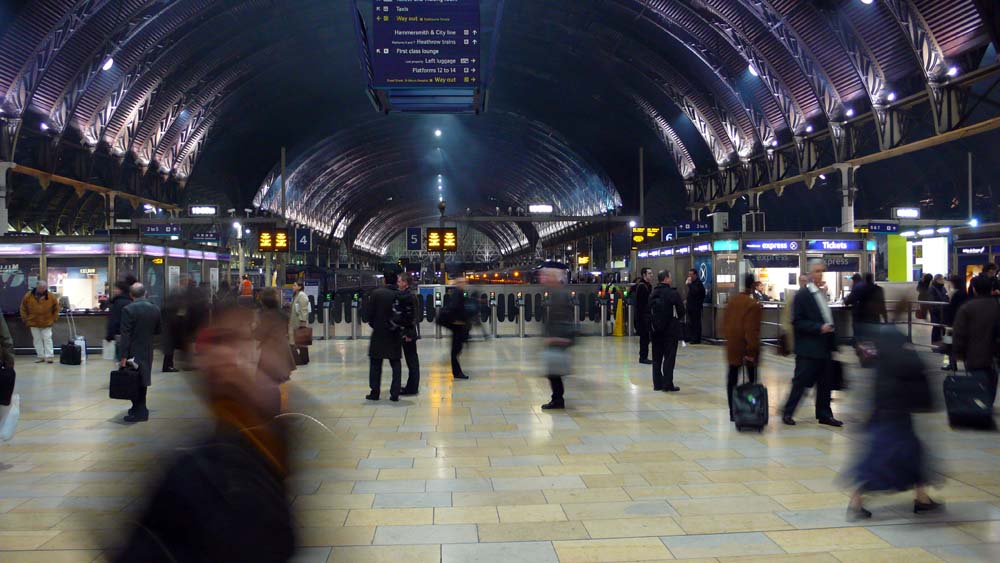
point(815, 341)
point(695, 303)
point(666, 312)
point(140, 323)
point(387, 340)
point(642, 290)
point(457, 317)
point(411, 333)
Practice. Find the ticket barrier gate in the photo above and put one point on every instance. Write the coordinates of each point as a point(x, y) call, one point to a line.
point(355, 317)
point(438, 304)
point(493, 313)
point(520, 314)
point(605, 303)
point(326, 309)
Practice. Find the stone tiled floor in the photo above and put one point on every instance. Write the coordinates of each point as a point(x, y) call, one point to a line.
point(475, 471)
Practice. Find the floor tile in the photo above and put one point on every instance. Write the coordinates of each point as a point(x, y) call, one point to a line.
point(729, 523)
point(531, 513)
point(387, 554)
point(430, 534)
point(720, 545)
point(890, 555)
point(390, 516)
point(350, 535)
point(595, 551)
point(466, 515)
point(535, 552)
point(923, 535)
point(633, 527)
point(532, 531)
point(411, 500)
point(804, 541)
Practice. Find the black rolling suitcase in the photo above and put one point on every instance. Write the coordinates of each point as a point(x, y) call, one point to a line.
point(70, 354)
point(750, 406)
point(125, 383)
point(7, 379)
point(969, 400)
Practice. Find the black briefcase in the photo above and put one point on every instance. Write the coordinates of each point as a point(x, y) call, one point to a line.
point(70, 354)
point(301, 355)
point(7, 377)
point(969, 400)
point(125, 384)
point(836, 377)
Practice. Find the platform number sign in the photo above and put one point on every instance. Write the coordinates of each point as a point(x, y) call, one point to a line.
point(413, 238)
point(303, 239)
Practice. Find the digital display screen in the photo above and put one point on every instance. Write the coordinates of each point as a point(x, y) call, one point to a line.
point(442, 238)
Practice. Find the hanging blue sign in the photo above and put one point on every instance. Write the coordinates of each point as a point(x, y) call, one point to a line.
point(161, 230)
point(683, 250)
point(883, 228)
point(668, 235)
point(206, 237)
point(413, 236)
point(772, 260)
point(690, 227)
point(834, 245)
point(972, 250)
point(703, 248)
point(773, 245)
point(666, 252)
point(426, 43)
point(303, 239)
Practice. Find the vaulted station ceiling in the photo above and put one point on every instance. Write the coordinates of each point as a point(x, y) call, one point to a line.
point(199, 95)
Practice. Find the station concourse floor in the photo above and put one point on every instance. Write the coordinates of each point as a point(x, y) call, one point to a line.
point(474, 471)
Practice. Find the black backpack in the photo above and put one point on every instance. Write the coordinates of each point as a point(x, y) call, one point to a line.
point(660, 312)
point(402, 312)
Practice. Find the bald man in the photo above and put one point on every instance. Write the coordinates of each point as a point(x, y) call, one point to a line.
point(140, 323)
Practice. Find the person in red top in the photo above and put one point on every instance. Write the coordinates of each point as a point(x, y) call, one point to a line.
point(246, 287)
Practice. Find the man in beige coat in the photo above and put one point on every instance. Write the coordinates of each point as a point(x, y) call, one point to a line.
point(299, 318)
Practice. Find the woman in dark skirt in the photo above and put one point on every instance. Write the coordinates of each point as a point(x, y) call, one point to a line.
point(894, 459)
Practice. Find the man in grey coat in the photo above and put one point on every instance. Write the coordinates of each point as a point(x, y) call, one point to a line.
point(387, 340)
point(140, 323)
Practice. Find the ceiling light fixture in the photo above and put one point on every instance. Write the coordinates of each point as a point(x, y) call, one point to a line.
point(867, 2)
point(110, 62)
point(891, 97)
point(809, 128)
point(849, 112)
point(752, 70)
point(953, 71)
point(437, 132)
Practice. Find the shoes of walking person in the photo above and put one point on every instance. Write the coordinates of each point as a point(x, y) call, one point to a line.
point(924, 507)
point(859, 513)
point(552, 405)
point(831, 422)
point(394, 398)
point(130, 418)
point(40, 361)
point(646, 361)
point(371, 397)
point(461, 376)
point(788, 420)
point(671, 388)
point(732, 418)
point(50, 361)
point(170, 370)
point(407, 393)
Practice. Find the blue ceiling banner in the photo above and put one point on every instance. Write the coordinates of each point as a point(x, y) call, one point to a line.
point(883, 228)
point(413, 238)
point(773, 245)
point(835, 245)
point(160, 230)
point(303, 239)
point(703, 248)
point(426, 44)
point(691, 227)
point(972, 250)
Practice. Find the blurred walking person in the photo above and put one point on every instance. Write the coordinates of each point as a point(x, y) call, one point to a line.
point(894, 459)
point(666, 313)
point(958, 297)
point(940, 294)
point(275, 362)
point(695, 303)
point(456, 319)
point(741, 328)
point(141, 321)
point(386, 341)
point(223, 499)
point(560, 333)
point(976, 338)
point(408, 306)
point(121, 299)
point(40, 311)
point(815, 342)
point(643, 288)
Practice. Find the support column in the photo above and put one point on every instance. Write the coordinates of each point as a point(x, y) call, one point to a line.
point(268, 261)
point(848, 191)
point(4, 215)
point(109, 210)
point(243, 258)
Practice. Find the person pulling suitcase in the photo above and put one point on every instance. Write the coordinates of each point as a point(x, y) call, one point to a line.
point(741, 328)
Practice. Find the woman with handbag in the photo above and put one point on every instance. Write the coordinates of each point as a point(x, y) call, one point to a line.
point(894, 459)
point(299, 333)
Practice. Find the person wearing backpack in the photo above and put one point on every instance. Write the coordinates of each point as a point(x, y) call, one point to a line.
point(405, 314)
point(642, 289)
point(387, 340)
point(666, 312)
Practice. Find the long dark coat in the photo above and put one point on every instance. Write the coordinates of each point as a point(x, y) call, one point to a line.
point(140, 323)
point(385, 343)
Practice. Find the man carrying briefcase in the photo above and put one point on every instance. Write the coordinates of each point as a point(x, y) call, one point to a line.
point(140, 323)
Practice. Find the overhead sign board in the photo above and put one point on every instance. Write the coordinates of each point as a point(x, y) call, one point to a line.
point(203, 210)
point(638, 237)
point(442, 239)
point(905, 212)
point(161, 230)
point(281, 239)
point(413, 235)
point(726, 246)
point(682, 250)
point(690, 227)
point(210, 236)
point(426, 43)
point(972, 250)
point(703, 248)
point(668, 235)
point(883, 227)
point(773, 245)
point(834, 245)
point(303, 239)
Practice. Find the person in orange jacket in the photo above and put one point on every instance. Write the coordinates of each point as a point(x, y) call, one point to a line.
point(40, 311)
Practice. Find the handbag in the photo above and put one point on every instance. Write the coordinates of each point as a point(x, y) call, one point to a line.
point(9, 415)
point(303, 336)
point(867, 353)
point(783, 345)
point(835, 375)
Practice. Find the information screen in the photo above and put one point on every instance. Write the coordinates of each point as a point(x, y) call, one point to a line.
point(426, 43)
point(444, 238)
